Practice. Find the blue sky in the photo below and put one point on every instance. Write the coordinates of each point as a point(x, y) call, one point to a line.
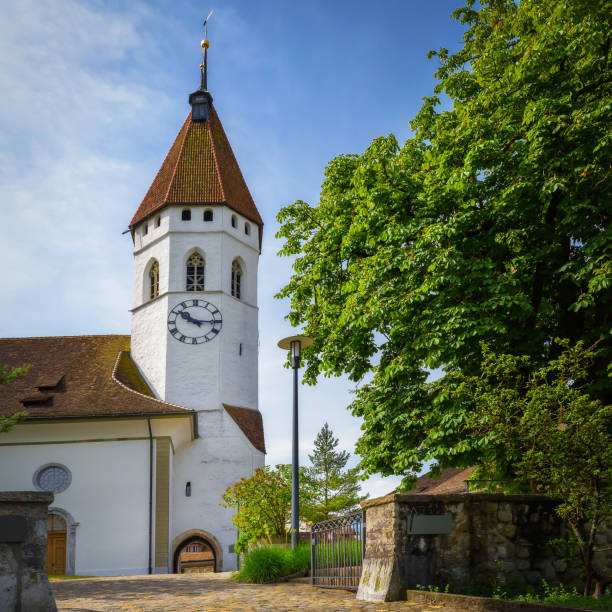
point(93, 96)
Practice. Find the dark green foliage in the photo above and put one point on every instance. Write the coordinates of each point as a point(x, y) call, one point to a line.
point(334, 489)
point(542, 425)
point(491, 224)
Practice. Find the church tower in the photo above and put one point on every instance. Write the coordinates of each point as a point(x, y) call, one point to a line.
point(197, 238)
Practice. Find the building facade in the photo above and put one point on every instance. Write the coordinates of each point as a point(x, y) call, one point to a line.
point(138, 436)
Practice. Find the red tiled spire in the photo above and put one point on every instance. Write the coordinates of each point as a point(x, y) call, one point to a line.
point(200, 168)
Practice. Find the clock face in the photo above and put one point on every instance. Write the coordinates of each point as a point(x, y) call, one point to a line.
point(194, 321)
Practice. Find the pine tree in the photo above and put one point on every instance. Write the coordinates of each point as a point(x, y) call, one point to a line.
point(336, 490)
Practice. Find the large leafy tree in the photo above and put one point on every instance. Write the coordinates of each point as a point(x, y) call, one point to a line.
point(8, 375)
point(490, 224)
point(335, 488)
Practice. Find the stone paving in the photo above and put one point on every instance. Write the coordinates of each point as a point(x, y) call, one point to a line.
point(201, 592)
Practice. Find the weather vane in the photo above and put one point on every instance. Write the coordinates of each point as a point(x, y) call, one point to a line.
point(205, 46)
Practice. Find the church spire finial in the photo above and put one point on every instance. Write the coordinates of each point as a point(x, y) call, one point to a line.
point(201, 100)
point(205, 47)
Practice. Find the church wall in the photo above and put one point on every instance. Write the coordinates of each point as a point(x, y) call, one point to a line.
point(219, 458)
point(149, 343)
point(107, 496)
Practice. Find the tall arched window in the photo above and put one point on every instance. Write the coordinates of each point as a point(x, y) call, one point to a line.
point(154, 280)
point(195, 273)
point(236, 278)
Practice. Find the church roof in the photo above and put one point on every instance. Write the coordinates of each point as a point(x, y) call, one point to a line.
point(200, 168)
point(77, 377)
point(251, 424)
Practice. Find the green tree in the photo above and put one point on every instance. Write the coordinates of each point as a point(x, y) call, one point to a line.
point(490, 224)
point(335, 490)
point(263, 504)
point(555, 435)
point(8, 375)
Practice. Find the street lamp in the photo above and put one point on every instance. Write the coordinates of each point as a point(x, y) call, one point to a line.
point(295, 344)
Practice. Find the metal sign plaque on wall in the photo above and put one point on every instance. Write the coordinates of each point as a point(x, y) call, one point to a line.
point(430, 524)
point(12, 528)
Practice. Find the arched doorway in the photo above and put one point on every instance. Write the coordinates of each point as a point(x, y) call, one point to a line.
point(196, 551)
point(56, 545)
point(194, 557)
point(61, 542)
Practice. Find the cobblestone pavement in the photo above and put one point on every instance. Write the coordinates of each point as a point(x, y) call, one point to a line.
point(202, 592)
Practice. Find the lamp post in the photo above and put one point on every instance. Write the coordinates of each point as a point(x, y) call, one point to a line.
point(295, 344)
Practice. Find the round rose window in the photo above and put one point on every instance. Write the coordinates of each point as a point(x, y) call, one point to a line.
point(53, 478)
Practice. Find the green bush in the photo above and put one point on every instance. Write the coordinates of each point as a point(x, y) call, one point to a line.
point(299, 559)
point(264, 564)
point(269, 563)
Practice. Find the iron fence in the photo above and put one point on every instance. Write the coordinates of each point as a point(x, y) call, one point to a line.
point(336, 551)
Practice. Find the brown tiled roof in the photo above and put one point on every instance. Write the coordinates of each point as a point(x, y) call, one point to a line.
point(251, 424)
point(81, 376)
point(200, 168)
point(451, 480)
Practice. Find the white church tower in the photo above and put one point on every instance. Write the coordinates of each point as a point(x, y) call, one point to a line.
point(197, 238)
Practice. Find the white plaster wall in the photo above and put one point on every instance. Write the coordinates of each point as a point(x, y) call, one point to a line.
point(108, 497)
point(198, 376)
point(219, 458)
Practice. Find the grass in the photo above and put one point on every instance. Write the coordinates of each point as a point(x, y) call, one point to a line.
point(546, 594)
point(269, 563)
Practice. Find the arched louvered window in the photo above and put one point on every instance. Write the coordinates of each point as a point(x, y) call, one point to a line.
point(208, 215)
point(195, 273)
point(154, 280)
point(236, 278)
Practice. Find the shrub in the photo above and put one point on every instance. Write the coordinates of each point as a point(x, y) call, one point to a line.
point(269, 563)
point(264, 564)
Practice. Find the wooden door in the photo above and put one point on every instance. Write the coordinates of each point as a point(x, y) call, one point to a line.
point(56, 553)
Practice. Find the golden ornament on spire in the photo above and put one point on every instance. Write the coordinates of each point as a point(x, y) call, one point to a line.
point(205, 44)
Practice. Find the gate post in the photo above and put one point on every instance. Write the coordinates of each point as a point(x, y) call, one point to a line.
point(381, 574)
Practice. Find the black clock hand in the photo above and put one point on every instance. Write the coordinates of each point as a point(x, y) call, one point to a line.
point(190, 319)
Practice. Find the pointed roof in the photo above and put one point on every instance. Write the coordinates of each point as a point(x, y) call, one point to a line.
point(200, 168)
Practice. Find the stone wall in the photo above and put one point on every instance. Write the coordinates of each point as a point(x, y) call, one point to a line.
point(495, 540)
point(24, 586)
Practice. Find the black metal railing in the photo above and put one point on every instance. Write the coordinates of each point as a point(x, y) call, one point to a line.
point(336, 552)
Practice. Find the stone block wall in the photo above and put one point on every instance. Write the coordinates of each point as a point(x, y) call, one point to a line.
point(495, 540)
point(24, 586)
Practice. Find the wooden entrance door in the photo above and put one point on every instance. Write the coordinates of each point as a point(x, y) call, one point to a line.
point(56, 553)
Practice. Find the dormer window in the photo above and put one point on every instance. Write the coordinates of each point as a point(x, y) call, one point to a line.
point(200, 101)
point(186, 214)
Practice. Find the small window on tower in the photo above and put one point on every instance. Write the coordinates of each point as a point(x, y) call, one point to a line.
point(154, 280)
point(208, 215)
point(195, 273)
point(234, 221)
point(158, 221)
point(145, 229)
point(236, 278)
point(186, 215)
point(247, 229)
